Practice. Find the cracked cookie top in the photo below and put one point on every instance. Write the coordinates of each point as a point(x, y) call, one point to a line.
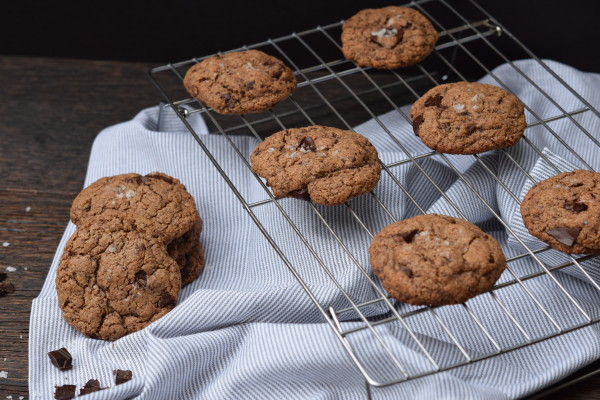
point(160, 202)
point(564, 211)
point(435, 260)
point(114, 279)
point(318, 163)
point(468, 118)
point(240, 82)
point(388, 37)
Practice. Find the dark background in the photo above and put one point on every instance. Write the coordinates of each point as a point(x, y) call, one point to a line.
point(167, 31)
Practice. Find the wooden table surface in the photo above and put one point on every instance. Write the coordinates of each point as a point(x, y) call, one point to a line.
point(50, 112)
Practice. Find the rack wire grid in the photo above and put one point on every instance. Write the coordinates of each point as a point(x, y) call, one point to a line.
point(335, 91)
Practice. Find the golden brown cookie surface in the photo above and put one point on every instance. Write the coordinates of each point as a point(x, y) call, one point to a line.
point(113, 279)
point(468, 118)
point(388, 37)
point(435, 260)
point(240, 82)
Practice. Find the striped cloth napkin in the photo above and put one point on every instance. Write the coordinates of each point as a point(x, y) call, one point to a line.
point(246, 329)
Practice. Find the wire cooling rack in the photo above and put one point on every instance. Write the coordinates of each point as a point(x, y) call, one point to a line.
point(335, 91)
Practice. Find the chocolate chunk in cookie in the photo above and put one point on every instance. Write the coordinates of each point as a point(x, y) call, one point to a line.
point(160, 202)
point(388, 37)
point(241, 82)
point(468, 118)
point(564, 211)
point(318, 163)
point(112, 279)
point(435, 260)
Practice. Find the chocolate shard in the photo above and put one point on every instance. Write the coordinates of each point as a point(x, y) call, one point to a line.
point(417, 123)
point(122, 376)
point(308, 144)
point(249, 84)
point(61, 359)
point(435, 100)
point(64, 392)
point(3, 276)
point(575, 206)
point(566, 236)
point(301, 194)
point(166, 300)
point(90, 387)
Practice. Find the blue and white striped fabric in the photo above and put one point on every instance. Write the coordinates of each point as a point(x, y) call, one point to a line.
point(246, 329)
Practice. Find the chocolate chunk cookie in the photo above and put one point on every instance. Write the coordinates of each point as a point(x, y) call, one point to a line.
point(468, 118)
point(160, 202)
point(388, 37)
point(113, 279)
point(435, 260)
point(564, 211)
point(240, 83)
point(318, 163)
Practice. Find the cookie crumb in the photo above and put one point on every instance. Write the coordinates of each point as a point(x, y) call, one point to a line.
point(4, 374)
point(10, 269)
point(27, 209)
point(122, 376)
point(5, 244)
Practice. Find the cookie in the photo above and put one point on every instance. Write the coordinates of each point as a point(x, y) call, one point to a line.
point(388, 37)
point(318, 163)
point(435, 260)
point(114, 279)
point(564, 211)
point(468, 118)
point(241, 82)
point(187, 251)
point(160, 202)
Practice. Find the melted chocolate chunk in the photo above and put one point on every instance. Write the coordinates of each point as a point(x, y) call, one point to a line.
point(417, 123)
point(279, 71)
point(575, 206)
point(3, 276)
point(406, 271)
point(6, 287)
point(408, 237)
point(249, 85)
point(308, 144)
point(141, 277)
point(61, 359)
point(301, 194)
point(166, 300)
point(90, 387)
point(434, 101)
point(122, 376)
point(161, 177)
point(387, 38)
point(65, 392)
point(566, 236)
point(87, 207)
